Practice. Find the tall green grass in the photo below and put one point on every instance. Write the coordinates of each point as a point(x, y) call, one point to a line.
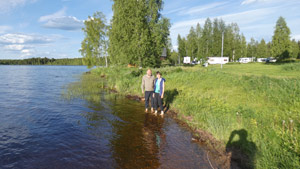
point(264, 100)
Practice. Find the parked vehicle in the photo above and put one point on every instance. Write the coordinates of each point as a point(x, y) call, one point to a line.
point(218, 60)
point(205, 64)
point(245, 60)
point(271, 60)
point(261, 59)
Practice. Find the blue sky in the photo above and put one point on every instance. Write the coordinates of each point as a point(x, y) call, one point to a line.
point(40, 28)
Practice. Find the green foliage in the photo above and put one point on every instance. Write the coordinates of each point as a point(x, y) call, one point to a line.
point(95, 44)
point(262, 49)
point(291, 67)
point(294, 49)
point(281, 45)
point(42, 61)
point(207, 41)
point(136, 73)
point(138, 33)
point(258, 98)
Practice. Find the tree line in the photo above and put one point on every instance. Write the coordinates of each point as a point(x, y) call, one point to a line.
point(42, 61)
point(203, 42)
point(138, 33)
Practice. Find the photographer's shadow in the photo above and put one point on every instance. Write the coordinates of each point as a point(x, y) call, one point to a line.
point(242, 151)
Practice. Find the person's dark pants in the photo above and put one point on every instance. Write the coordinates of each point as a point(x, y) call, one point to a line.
point(149, 96)
point(158, 102)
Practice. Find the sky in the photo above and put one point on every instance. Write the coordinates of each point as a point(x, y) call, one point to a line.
point(40, 28)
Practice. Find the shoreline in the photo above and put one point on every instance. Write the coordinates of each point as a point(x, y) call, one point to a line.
point(234, 113)
point(215, 149)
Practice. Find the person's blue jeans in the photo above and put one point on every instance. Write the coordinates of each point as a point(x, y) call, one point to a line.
point(149, 96)
point(158, 101)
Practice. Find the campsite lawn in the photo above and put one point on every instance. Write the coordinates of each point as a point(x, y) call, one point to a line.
point(257, 104)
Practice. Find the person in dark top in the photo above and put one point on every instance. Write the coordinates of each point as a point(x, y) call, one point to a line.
point(159, 90)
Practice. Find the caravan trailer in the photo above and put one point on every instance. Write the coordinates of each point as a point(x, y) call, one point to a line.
point(187, 60)
point(245, 60)
point(218, 60)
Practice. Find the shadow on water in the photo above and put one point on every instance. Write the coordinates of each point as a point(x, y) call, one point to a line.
point(241, 149)
point(170, 95)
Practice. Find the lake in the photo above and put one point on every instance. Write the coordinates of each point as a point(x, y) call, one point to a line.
point(41, 129)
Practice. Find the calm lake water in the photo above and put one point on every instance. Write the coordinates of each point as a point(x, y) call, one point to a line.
point(40, 129)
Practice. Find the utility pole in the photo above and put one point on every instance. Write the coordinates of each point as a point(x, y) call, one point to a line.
point(222, 50)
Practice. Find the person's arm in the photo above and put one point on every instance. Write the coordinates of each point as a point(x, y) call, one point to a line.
point(143, 85)
point(163, 90)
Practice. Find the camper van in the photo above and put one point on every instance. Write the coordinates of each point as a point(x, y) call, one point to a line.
point(245, 60)
point(218, 60)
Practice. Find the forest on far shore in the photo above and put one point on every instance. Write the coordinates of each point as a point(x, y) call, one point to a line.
point(42, 61)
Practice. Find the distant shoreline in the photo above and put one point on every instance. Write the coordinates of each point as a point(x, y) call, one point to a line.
point(42, 61)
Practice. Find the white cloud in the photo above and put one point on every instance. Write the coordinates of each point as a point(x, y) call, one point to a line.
point(248, 2)
point(4, 29)
point(57, 14)
point(24, 39)
point(243, 19)
point(14, 47)
point(24, 45)
point(8, 5)
point(202, 8)
point(64, 23)
point(59, 20)
point(296, 37)
point(174, 10)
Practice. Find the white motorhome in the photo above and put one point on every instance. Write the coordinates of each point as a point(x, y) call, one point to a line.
point(218, 60)
point(187, 60)
point(245, 60)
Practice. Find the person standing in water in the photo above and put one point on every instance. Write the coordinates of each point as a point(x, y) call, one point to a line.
point(159, 90)
point(148, 89)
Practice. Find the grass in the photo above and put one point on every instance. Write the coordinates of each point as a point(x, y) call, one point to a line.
point(261, 101)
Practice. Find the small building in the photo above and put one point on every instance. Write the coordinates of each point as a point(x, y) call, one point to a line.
point(217, 60)
point(164, 54)
point(246, 60)
point(187, 60)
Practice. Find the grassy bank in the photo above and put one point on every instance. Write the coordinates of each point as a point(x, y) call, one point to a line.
point(253, 108)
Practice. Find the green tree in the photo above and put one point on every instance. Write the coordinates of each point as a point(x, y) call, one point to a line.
point(192, 43)
point(181, 48)
point(232, 41)
point(252, 48)
point(138, 32)
point(218, 28)
point(262, 49)
point(294, 49)
point(281, 40)
point(199, 42)
point(94, 45)
point(207, 37)
point(243, 47)
point(174, 58)
point(299, 49)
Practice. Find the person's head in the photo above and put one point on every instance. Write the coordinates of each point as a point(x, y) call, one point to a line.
point(149, 72)
point(158, 74)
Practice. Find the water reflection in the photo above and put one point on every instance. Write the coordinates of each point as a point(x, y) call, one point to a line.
point(135, 139)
